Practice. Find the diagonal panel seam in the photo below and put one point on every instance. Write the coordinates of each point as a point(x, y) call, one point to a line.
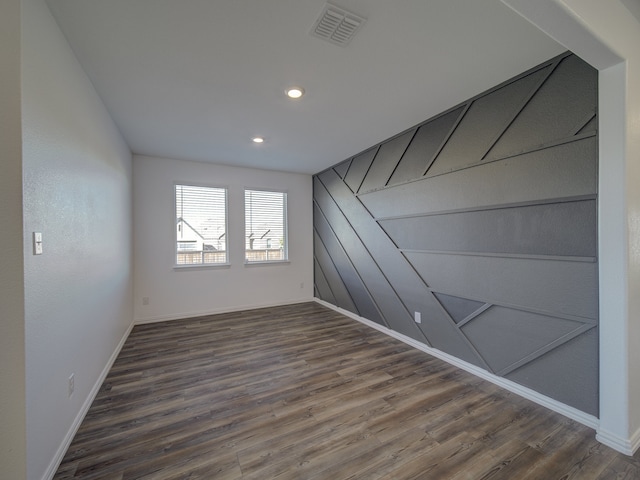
point(546, 349)
point(447, 137)
point(372, 258)
point(524, 103)
point(337, 271)
point(364, 285)
point(408, 264)
point(474, 314)
point(583, 123)
point(401, 157)
point(321, 272)
point(357, 190)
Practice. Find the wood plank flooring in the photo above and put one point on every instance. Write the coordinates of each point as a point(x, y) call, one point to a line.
point(302, 392)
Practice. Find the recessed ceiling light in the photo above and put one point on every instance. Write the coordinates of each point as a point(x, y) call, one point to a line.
point(294, 92)
point(258, 139)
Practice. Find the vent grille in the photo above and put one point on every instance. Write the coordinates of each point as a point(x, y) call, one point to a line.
point(336, 25)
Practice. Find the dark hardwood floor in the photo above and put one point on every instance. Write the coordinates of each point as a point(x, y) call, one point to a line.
point(302, 392)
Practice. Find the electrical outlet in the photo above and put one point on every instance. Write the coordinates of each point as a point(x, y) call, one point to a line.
point(417, 317)
point(72, 383)
point(145, 300)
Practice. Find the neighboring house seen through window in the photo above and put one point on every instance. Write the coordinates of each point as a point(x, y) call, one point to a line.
point(265, 215)
point(201, 225)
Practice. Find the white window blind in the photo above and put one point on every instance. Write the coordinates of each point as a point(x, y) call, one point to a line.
point(265, 226)
point(201, 225)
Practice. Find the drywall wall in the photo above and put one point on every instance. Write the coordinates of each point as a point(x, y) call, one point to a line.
point(12, 366)
point(484, 220)
point(181, 292)
point(77, 193)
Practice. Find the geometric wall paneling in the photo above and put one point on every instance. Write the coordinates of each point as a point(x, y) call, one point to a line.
point(366, 269)
point(321, 284)
point(590, 126)
point(342, 168)
point(357, 292)
point(329, 271)
point(566, 100)
point(483, 123)
point(565, 228)
point(565, 170)
point(567, 373)
point(386, 159)
point(484, 220)
point(409, 293)
point(459, 308)
point(521, 335)
point(560, 288)
point(422, 150)
point(358, 168)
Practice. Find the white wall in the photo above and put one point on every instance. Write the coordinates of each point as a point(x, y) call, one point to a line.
point(12, 368)
point(607, 35)
point(176, 293)
point(77, 192)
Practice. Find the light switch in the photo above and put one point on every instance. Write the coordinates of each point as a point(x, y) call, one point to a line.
point(37, 243)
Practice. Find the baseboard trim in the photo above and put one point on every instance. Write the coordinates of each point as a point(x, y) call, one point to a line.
point(62, 449)
point(558, 407)
point(622, 445)
point(216, 311)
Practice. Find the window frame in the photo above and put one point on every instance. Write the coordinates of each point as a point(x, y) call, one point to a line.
point(285, 227)
point(176, 251)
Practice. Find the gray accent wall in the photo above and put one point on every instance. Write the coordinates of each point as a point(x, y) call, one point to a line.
point(484, 220)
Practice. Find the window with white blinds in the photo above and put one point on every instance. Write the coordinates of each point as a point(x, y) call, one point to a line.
point(265, 214)
point(201, 225)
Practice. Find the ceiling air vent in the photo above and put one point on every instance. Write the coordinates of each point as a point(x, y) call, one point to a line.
point(336, 25)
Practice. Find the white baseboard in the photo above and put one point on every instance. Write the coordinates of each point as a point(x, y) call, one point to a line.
point(62, 449)
point(559, 407)
point(216, 311)
point(622, 445)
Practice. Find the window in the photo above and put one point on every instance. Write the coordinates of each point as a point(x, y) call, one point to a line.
point(265, 215)
point(201, 225)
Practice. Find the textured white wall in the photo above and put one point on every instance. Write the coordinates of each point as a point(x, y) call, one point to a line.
point(175, 293)
point(77, 192)
point(12, 368)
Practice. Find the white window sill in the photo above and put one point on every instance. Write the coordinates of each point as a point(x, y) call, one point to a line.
point(199, 266)
point(266, 262)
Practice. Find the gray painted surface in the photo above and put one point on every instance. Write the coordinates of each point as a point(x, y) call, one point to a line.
point(386, 159)
point(358, 169)
point(567, 170)
point(359, 296)
point(459, 308)
point(422, 151)
point(522, 334)
point(322, 288)
point(376, 283)
point(485, 120)
point(342, 168)
point(483, 219)
point(558, 109)
point(406, 287)
point(565, 288)
point(566, 373)
point(329, 271)
point(553, 229)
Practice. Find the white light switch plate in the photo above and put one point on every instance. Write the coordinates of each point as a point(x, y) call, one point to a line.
point(37, 243)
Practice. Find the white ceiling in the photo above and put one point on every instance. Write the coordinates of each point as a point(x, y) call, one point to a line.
point(197, 79)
